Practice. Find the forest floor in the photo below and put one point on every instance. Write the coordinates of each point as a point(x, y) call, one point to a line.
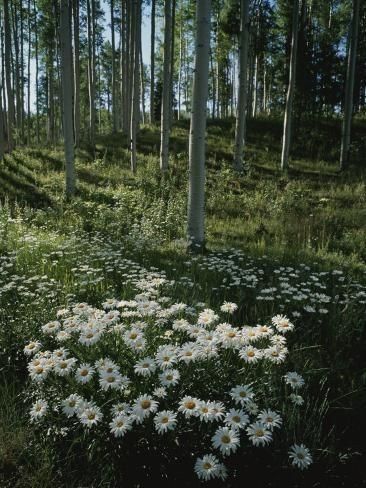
point(292, 244)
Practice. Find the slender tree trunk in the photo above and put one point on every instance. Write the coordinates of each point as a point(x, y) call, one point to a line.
point(242, 95)
point(2, 135)
point(152, 63)
point(67, 95)
point(350, 81)
point(166, 97)
point(114, 91)
point(9, 91)
point(255, 87)
point(171, 74)
point(37, 69)
point(135, 108)
point(286, 141)
point(29, 75)
point(197, 135)
point(142, 79)
point(75, 11)
point(91, 69)
point(180, 68)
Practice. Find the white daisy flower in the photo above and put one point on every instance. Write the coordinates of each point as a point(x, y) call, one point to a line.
point(32, 347)
point(165, 420)
point(228, 307)
point(51, 327)
point(84, 373)
point(300, 456)
point(294, 380)
point(38, 410)
point(144, 405)
point(250, 354)
point(236, 419)
point(120, 425)
point(170, 377)
point(64, 366)
point(207, 467)
point(71, 405)
point(225, 439)
point(296, 399)
point(145, 367)
point(189, 406)
point(90, 416)
point(270, 419)
point(110, 381)
point(241, 394)
point(259, 434)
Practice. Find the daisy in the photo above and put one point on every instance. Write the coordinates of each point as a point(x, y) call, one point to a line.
point(205, 412)
point(207, 317)
point(160, 392)
point(120, 425)
point(165, 357)
point(207, 467)
point(242, 394)
point(300, 456)
point(89, 337)
point(228, 307)
point(282, 323)
point(189, 406)
point(38, 410)
point(145, 367)
point(250, 354)
point(296, 399)
point(110, 381)
point(84, 373)
point(164, 421)
point(259, 434)
point(294, 380)
point(236, 419)
point(169, 377)
point(71, 405)
point(144, 405)
point(91, 416)
point(270, 419)
point(225, 439)
point(217, 410)
point(51, 327)
point(275, 354)
point(64, 366)
point(32, 348)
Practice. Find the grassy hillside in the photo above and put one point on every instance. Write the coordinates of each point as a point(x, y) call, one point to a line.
point(277, 244)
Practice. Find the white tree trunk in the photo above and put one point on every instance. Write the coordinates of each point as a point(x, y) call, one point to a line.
point(243, 87)
point(9, 91)
point(166, 97)
point(135, 105)
point(197, 134)
point(114, 92)
point(152, 63)
point(350, 81)
point(91, 68)
point(76, 73)
point(67, 94)
point(286, 140)
point(2, 141)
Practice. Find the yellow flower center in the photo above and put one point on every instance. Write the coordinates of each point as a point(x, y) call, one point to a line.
point(145, 404)
point(225, 439)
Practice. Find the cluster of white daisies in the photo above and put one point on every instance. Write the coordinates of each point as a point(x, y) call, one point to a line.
point(151, 343)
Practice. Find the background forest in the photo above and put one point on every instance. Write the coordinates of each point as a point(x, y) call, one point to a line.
point(182, 243)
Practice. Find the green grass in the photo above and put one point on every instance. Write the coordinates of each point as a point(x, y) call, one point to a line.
point(313, 216)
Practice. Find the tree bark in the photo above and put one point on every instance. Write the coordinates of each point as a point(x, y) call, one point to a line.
point(350, 81)
point(152, 63)
point(67, 94)
point(91, 69)
point(286, 141)
point(76, 23)
point(135, 106)
point(240, 129)
point(9, 91)
point(166, 97)
point(114, 92)
point(197, 134)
